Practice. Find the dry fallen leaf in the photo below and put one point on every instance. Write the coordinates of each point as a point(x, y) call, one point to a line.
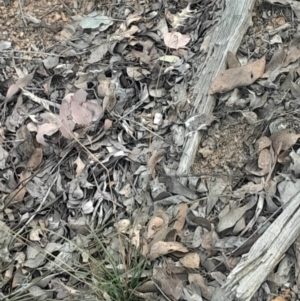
point(265, 162)
point(292, 55)
point(180, 217)
point(170, 286)
point(238, 77)
point(162, 248)
point(123, 225)
point(283, 140)
point(153, 160)
point(279, 298)
point(191, 260)
point(79, 166)
point(262, 142)
point(155, 224)
point(200, 281)
point(176, 40)
point(157, 227)
point(35, 159)
point(21, 83)
point(75, 109)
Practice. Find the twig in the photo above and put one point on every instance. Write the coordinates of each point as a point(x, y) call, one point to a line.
point(38, 209)
point(66, 7)
point(21, 11)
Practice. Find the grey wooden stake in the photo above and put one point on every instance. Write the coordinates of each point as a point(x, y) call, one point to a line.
point(226, 36)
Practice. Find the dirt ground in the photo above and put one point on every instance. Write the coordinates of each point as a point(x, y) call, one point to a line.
point(95, 97)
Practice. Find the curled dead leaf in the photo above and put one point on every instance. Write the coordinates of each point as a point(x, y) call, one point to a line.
point(21, 83)
point(123, 225)
point(180, 217)
point(155, 224)
point(35, 159)
point(283, 140)
point(176, 40)
point(153, 160)
point(162, 248)
point(238, 77)
point(79, 166)
point(262, 142)
point(265, 162)
point(191, 260)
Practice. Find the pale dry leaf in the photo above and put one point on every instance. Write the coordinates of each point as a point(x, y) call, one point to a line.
point(18, 194)
point(35, 234)
point(35, 159)
point(292, 55)
point(153, 160)
point(170, 286)
point(45, 129)
point(191, 260)
point(283, 140)
point(123, 225)
point(180, 217)
point(68, 124)
point(238, 77)
point(95, 109)
point(80, 115)
point(21, 83)
point(279, 298)
point(134, 235)
point(155, 224)
point(232, 61)
point(158, 229)
point(295, 164)
point(200, 281)
point(103, 87)
point(265, 162)
point(107, 124)
point(176, 40)
point(232, 217)
point(110, 100)
point(79, 166)
point(162, 248)
point(249, 188)
point(262, 142)
point(3, 156)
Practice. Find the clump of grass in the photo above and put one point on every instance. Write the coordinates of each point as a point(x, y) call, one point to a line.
point(118, 280)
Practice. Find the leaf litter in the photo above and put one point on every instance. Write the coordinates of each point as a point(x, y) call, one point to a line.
point(92, 133)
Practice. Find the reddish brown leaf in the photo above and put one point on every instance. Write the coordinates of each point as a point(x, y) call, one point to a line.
point(238, 77)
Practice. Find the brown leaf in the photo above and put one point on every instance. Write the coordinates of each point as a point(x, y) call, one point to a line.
point(292, 55)
point(283, 140)
point(35, 159)
point(67, 121)
point(103, 87)
point(18, 194)
point(45, 129)
point(191, 260)
point(107, 124)
point(180, 217)
point(157, 227)
point(232, 61)
point(265, 162)
point(199, 280)
point(279, 298)
point(80, 115)
point(238, 77)
point(109, 100)
point(262, 142)
point(162, 248)
point(176, 40)
point(79, 166)
point(21, 83)
point(154, 159)
point(171, 286)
